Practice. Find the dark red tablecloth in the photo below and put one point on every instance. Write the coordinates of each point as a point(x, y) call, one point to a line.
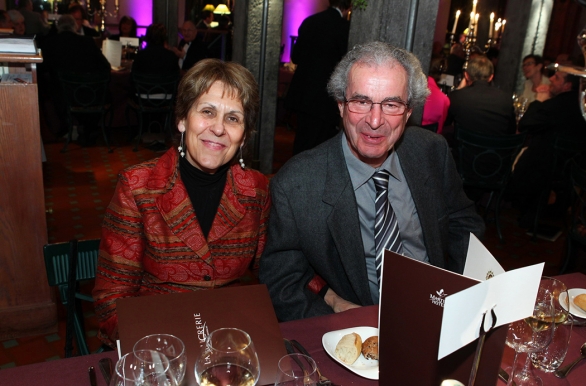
point(73, 371)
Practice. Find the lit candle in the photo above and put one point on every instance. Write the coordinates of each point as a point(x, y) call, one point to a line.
point(471, 22)
point(474, 6)
point(496, 29)
point(476, 24)
point(116, 3)
point(491, 25)
point(456, 22)
point(503, 25)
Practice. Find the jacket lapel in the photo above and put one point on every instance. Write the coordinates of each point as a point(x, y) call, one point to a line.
point(343, 221)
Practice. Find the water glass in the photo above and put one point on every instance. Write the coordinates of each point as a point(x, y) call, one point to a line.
point(296, 370)
point(142, 367)
point(549, 359)
point(169, 345)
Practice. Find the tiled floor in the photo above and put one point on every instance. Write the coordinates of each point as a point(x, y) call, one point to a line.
point(80, 183)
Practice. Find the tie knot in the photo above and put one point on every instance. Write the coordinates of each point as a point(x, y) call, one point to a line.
point(381, 180)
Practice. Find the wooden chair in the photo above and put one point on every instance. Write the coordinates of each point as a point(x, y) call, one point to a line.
point(67, 264)
point(155, 94)
point(485, 162)
point(86, 94)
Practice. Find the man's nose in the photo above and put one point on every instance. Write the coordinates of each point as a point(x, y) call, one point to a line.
point(375, 116)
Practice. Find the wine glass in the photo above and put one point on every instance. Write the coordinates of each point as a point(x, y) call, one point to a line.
point(229, 358)
point(530, 335)
point(550, 358)
point(296, 370)
point(169, 345)
point(142, 367)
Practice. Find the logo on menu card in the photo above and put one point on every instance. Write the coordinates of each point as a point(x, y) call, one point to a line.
point(438, 297)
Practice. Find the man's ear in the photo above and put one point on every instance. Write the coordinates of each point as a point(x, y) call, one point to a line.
point(341, 107)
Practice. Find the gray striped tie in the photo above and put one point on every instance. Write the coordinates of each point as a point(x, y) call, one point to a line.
point(386, 228)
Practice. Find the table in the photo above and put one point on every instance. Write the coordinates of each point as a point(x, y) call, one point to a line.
point(73, 371)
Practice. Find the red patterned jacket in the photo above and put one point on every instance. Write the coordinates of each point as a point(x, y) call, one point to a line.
point(152, 242)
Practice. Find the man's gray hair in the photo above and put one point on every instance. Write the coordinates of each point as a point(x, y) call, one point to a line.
point(66, 23)
point(381, 54)
point(15, 16)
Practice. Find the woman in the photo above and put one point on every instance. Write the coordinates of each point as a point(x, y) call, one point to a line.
point(126, 28)
point(193, 219)
point(155, 58)
point(435, 110)
point(533, 71)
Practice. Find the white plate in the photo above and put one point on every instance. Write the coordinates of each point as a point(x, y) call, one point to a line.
point(574, 310)
point(367, 368)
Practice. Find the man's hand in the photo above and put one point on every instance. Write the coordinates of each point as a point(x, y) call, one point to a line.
point(337, 303)
point(542, 92)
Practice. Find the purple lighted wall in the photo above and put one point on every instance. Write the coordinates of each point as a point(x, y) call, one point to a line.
point(294, 12)
point(140, 10)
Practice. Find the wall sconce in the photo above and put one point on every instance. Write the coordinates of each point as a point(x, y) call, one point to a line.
point(208, 7)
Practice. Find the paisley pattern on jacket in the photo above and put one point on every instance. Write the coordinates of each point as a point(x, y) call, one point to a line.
point(152, 242)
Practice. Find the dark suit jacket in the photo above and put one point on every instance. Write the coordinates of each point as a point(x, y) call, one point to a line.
point(482, 108)
point(196, 52)
point(155, 60)
point(68, 51)
point(314, 226)
point(321, 44)
point(92, 33)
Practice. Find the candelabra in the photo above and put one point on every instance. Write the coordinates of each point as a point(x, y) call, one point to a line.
point(102, 13)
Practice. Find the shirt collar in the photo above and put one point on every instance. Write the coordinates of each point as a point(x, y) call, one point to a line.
point(360, 172)
point(338, 9)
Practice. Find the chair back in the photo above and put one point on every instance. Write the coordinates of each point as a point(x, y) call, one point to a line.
point(85, 92)
point(486, 161)
point(564, 149)
point(155, 92)
point(67, 264)
point(431, 127)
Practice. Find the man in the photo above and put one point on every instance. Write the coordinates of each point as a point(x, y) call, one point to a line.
point(322, 221)
point(78, 12)
point(17, 22)
point(33, 22)
point(206, 20)
point(555, 111)
point(478, 106)
point(190, 49)
point(322, 42)
point(533, 72)
point(5, 21)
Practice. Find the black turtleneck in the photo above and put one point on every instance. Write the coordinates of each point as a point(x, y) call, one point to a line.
point(205, 191)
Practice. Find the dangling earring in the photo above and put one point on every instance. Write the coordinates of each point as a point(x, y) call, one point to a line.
point(241, 160)
point(180, 147)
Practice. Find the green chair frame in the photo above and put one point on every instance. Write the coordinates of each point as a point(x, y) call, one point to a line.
point(486, 162)
point(59, 259)
point(154, 94)
point(85, 94)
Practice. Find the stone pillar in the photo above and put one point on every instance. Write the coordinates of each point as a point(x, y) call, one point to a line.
point(166, 12)
point(525, 33)
point(408, 24)
point(257, 39)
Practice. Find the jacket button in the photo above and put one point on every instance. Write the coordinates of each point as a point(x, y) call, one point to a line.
point(207, 278)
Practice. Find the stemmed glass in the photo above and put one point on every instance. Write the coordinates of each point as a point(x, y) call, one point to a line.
point(296, 370)
point(169, 345)
point(520, 105)
point(229, 358)
point(550, 358)
point(532, 334)
point(142, 367)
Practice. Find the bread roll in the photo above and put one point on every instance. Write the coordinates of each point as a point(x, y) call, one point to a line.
point(370, 348)
point(348, 348)
point(580, 301)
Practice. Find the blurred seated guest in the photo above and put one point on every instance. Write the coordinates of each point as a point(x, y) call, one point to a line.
point(456, 60)
point(33, 21)
point(17, 22)
point(555, 111)
point(69, 51)
point(206, 20)
point(435, 110)
point(5, 20)
point(193, 219)
point(190, 49)
point(479, 106)
point(126, 28)
point(533, 71)
point(155, 58)
point(83, 26)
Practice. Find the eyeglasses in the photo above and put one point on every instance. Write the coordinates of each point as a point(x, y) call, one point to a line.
point(363, 106)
